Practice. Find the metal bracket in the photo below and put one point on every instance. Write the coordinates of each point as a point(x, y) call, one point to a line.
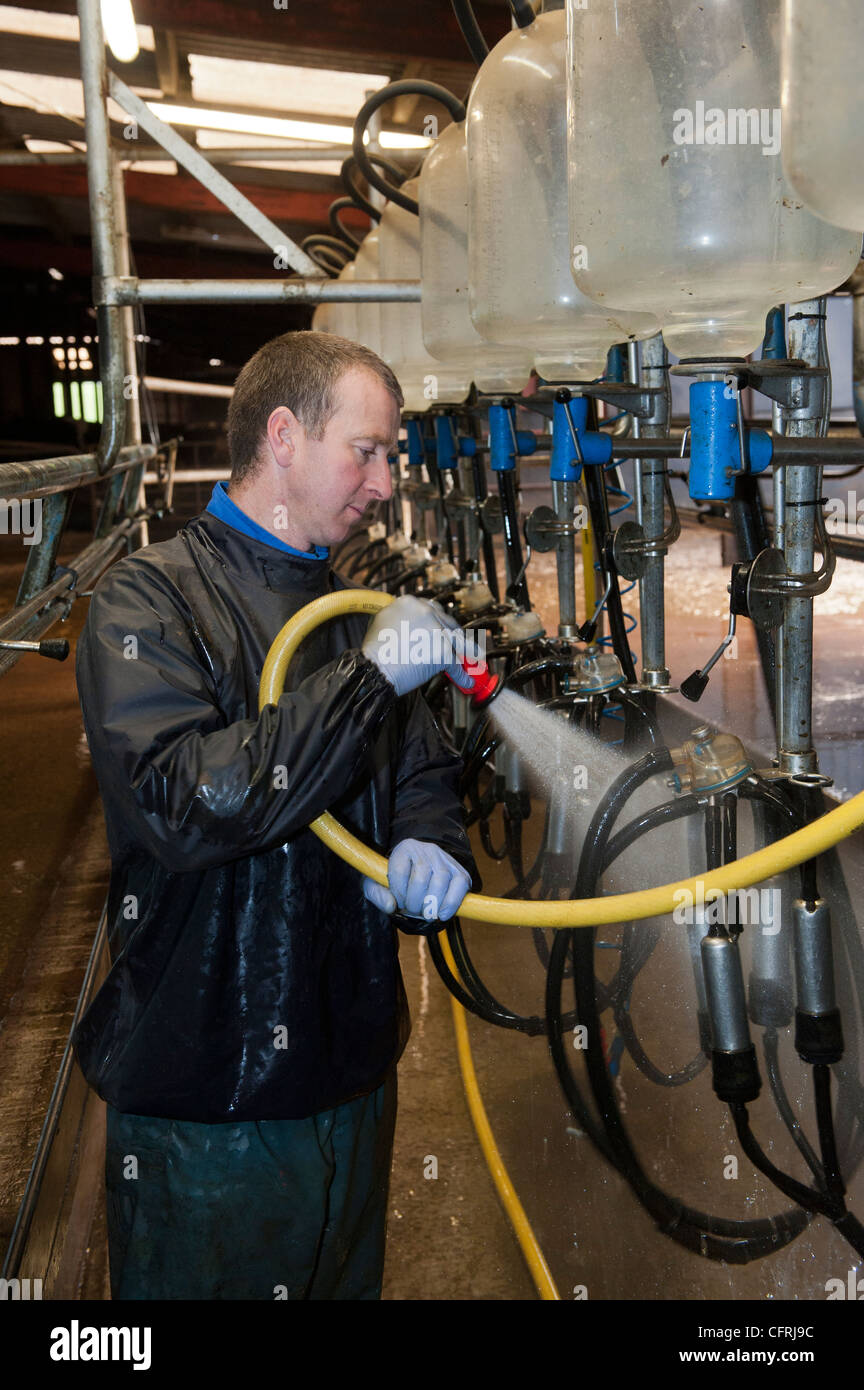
point(635, 400)
point(492, 516)
point(628, 551)
point(543, 529)
point(791, 382)
point(765, 609)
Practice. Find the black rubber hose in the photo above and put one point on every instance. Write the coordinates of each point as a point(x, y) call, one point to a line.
point(472, 771)
point(363, 554)
point(682, 1222)
point(481, 806)
point(467, 21)
point(588, 875)
point(633, 960)
point(517, 589)
point(774, 796)
point(514, 845)
point(621, 1151)
point(730, 827)
point(639, 718)
point(346, 173)
point(754, 789)
point(481, 1003)
point(320, 240)
point(523, 12)
point(340, 231)
point(402, 576)
point(380, 563)
point(712, 1237)
point(625, 784)
point(486, 840)
point(325, 261)
point(658, 815)
point(825, 1127)
point(555, 1033)
point(533, 1026)
point(598, 507)
point(406, 87)
point(770, 1045)
point(457, 990)
point(806, 1197)
point(739, 1241)
point(347, 548)
point(478, 476)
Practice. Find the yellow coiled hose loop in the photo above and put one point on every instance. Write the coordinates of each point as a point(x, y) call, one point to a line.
point(783, 854)
point(621, 907)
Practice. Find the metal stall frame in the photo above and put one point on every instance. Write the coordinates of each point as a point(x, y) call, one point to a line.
point(47, 590)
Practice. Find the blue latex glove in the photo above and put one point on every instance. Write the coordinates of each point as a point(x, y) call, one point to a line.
point(411, 640)
point(424, 882)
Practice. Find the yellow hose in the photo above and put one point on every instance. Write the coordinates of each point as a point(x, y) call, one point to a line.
point(793, 849)
point(530, 1246)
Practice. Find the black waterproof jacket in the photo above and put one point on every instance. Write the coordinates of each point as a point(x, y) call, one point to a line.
point(250, 978)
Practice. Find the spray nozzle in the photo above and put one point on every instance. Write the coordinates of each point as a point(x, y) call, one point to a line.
point(485, 684)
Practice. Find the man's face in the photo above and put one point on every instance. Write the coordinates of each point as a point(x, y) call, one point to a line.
point(332, 481)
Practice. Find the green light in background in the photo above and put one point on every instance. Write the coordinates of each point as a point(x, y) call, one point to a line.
point(59, 399)
point(89, 401)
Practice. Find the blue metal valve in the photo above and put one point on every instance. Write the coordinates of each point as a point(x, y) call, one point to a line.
point(416, 445)
point(715, 448)
point(505, 441)
point(445, 442)
point(565, 465)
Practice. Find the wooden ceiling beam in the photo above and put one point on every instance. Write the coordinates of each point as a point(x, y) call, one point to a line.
point(178, 192)
point(409, 29)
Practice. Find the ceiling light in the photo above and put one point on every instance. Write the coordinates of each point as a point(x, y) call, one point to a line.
point(118, 22)
point(244, 124)
point(314, 91)
point(55, 273)
point(395, 140)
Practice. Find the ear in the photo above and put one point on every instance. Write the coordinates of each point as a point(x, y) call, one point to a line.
point(285, 435)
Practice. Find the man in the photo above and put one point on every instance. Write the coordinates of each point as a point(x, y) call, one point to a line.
point(247, 1035)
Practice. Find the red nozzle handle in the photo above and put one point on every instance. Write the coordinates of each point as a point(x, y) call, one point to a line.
point(485, 684)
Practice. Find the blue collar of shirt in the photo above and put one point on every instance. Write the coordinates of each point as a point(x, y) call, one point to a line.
point(222, 506)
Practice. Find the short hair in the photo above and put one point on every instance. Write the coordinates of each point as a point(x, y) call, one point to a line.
point(300, 370)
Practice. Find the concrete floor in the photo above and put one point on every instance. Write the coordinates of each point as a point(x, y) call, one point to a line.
point(448, 1238)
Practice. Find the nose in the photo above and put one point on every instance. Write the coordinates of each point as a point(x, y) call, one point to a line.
point(380, 482)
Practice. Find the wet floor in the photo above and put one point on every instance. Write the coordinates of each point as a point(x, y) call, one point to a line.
point(53, 866)
point(448, 1238)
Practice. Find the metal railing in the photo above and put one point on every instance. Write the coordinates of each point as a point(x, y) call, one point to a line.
point(47, 590)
